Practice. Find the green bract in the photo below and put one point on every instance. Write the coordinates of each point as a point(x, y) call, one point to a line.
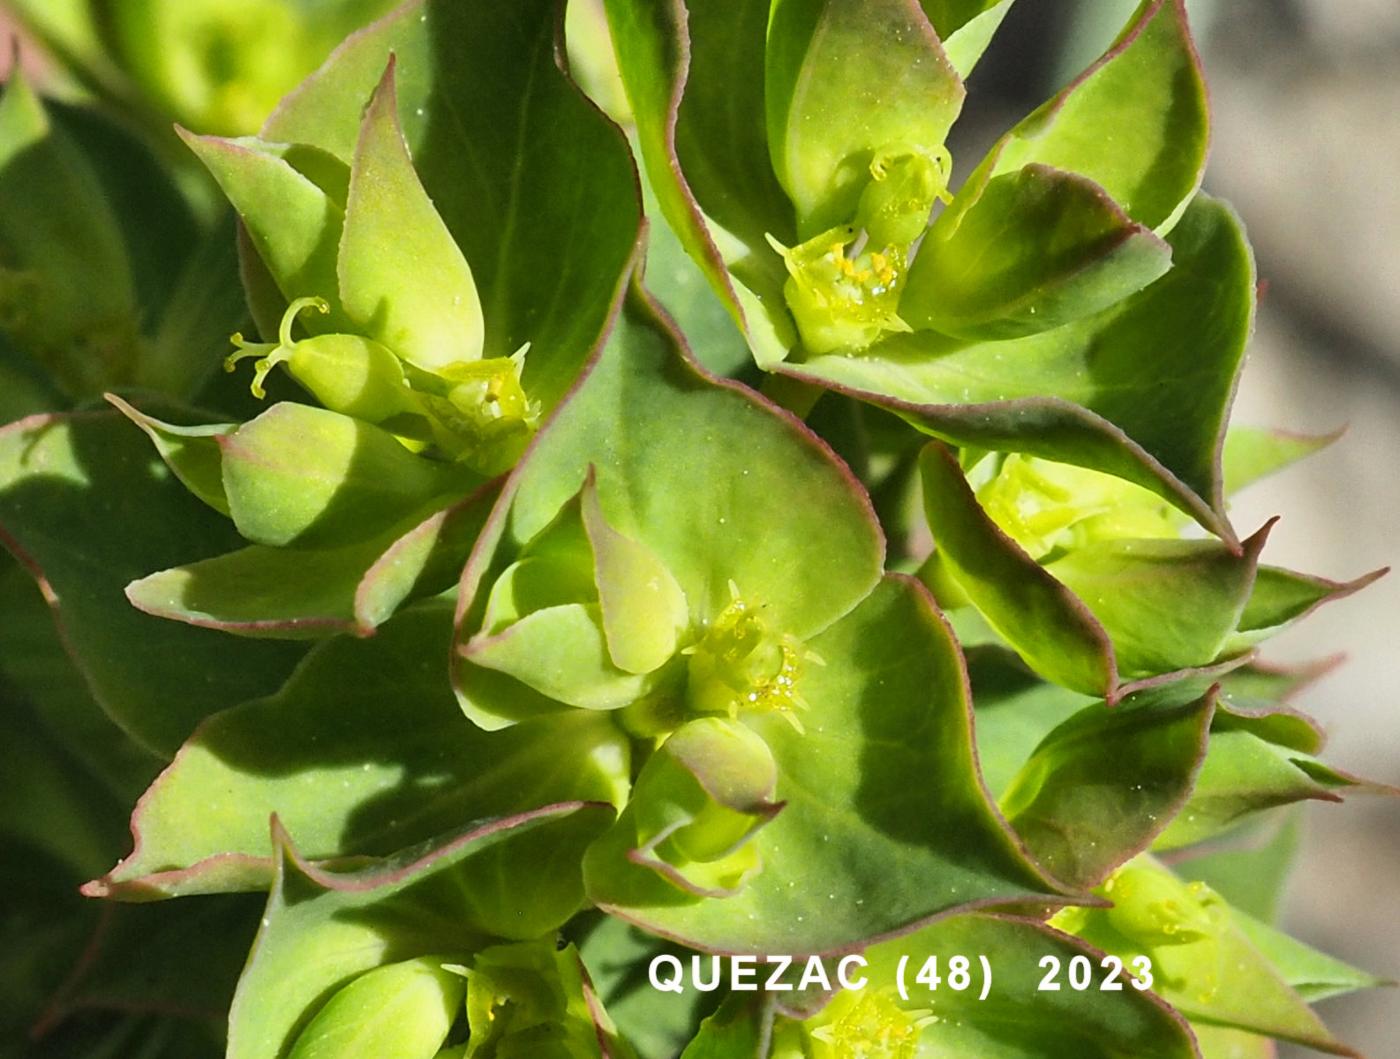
point(413, 357)
point(1059, 243)
point(497, 630)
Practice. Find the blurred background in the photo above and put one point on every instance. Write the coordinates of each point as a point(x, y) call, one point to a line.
point(1306, 96)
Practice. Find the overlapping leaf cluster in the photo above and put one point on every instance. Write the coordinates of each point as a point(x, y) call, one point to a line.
point(504, 645)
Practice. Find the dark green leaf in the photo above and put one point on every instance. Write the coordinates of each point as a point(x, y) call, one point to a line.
point(192, 452)
point(1084, 394)
point(1041, 248)
point(159, 960)
point(364, 751)
point(35, 667)
point(1105, 783)
point(689, 74)
point(1166, 605)
point(735, 1031)
point(1049, 627)
point(654, 1022)
point(67, 294)
point(1014, 709)
point(88, 507)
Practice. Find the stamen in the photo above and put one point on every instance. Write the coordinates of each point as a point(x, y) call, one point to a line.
point(271, 354)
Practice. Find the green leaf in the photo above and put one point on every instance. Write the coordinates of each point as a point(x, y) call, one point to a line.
point(158, 961)
point(1014, 709)
point(699, 801)
point(26, 388)
point(843, 82)
point(204, 305)
point(556, 174)
point(312, 477)
point(516, 877)
point(403, 281)
point(532, 996)
point(1136, 123)
point(1018, 1017)
point(860, 848)
point(69, 483)
point(1165, 605)
point(295, 593)
point(949, 16)
point(654, 1022)
point(1102, 614)
point(562, 653)
point(56, 811)
point(1252, 453)
point(684, 291)
point(67, 294)
point(1251, 767)
point(966, 27)
point(399, 1011)
point(36, 668)
point(1083, 394)
point(1218, 1042)
point(644, 610)
point(1050, 628)
point(1243, 774)
point(694, 470)
point(363, 752)
point(192, 452)
point(160, 229)
point(293, 224)
point(1281, 597)
point(702, 133)
point(1101, 786)
point(1041, 248)
point(1313, 975)
point(1250, 867)
point(1202, 963)
point(544, 624)
point(735, 1031)
point(721, 130)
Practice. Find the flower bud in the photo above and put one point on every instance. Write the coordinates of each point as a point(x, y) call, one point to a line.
point(698, 803)
point(904, 184)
